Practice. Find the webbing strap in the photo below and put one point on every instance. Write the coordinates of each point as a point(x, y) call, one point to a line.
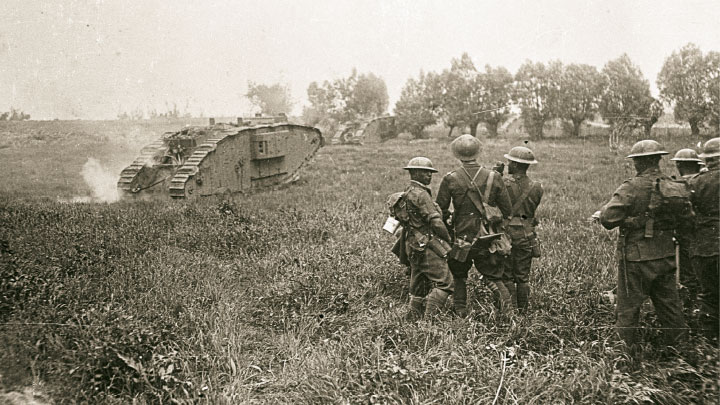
point(474, 198)
point(522, 199)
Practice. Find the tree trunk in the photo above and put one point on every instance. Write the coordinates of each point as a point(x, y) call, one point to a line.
point(492, 128)
point(694, 127)
point(576, 128)
point(450, 131)
point(473, 129)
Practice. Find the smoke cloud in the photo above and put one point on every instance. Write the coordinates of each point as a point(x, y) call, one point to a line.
point(102, 181)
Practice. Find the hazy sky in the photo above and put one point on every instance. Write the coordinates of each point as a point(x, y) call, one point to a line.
point(92, 59)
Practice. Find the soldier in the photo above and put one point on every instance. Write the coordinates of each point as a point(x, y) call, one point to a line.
point(423, 231)
point(706, 246)
point(461, 187)
point(645, 246)
point(688, 165)
point(687, 162)
point(525, 196)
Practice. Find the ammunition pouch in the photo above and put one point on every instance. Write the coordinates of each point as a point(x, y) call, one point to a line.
point(460, 250)
point(439, 246)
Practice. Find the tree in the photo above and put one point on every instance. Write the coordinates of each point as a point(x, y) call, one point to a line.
point(271, 100)
point(582, 87)
point(626, 102)
point(368, 96)
point(537, 90)
point(346, 99)
point(712, 64)
point(684, 81)
point(414, 110)
point(497, 89)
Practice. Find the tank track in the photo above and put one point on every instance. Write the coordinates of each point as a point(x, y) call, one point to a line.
point(146, 156)
point(192, 166)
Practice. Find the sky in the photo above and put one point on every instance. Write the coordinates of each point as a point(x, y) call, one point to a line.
point(71, 59)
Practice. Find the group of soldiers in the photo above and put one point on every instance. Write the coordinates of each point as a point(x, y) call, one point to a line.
point(663, 221)
point(493, 225)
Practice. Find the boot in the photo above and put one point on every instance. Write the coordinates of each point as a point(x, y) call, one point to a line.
point(510, 285)
point(435, 300)
point(523, 296)
point(417, 309)
point(501, 295)
point(460, 297)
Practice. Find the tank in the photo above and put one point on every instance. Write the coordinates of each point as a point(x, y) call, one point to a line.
point(369, 131)
point(220, 159)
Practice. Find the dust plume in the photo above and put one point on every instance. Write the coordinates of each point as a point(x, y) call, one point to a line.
point(102, 181)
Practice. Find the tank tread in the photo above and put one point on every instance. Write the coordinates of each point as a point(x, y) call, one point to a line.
point(146, 155)
point(192, 165)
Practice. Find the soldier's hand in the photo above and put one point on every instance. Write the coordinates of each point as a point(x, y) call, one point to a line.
point(595, 217)
point(499, 167)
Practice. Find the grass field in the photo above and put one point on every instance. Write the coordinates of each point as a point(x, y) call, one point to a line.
point(292, 295)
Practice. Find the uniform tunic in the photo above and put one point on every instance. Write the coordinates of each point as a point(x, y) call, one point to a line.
point(467, 218)
point(521, 227)
point(706, 245)
point(647, 264)
point(426, 266)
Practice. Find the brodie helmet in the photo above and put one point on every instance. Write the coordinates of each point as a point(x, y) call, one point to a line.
point(686, 155)
point(465, 147)
point(521, 154)
point(646, 147)
point(711, 148)
point(420, 163)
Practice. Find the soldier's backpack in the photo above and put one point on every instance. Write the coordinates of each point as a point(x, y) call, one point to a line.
point(669, 200)
point(398, 207)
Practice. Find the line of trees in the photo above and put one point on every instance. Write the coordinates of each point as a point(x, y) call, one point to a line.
point(463, 96)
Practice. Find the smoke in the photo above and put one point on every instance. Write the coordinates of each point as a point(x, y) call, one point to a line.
point(102, 181)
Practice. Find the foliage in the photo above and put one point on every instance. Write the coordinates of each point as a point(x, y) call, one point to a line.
point(414, 109)
point(686, 80)
point(14, 115)
point(712, 60)
point(537, 90)
point(626, 102)
point(270, 99)
point(359, 96)
point(582, 87)
point(497, 89)
point(462, 96)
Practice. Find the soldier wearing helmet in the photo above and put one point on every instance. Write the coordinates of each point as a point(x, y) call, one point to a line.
point(422, 226)
point(706, 245)
point(466, 187)
point(687, 162)
point(688, 165)
point(646, 248)
point(525, 195)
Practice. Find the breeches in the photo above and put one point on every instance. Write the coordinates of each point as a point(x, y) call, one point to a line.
point(427, 269)
point(489, 265)
point(708, 273)
point(654, 279)
point(517, 265)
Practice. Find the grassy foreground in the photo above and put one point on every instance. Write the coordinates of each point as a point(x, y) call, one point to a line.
point(292, 295)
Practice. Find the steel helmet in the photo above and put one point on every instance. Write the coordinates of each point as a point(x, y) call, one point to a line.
point(420, 163)
point(711, 148)
point(646, 147)
point(521, 154)
point(465, 147)
point(686, 155)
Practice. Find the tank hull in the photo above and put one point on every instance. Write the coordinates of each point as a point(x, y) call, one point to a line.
point(218, 160)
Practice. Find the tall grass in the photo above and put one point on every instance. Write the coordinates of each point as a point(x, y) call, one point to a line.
point(292, 296)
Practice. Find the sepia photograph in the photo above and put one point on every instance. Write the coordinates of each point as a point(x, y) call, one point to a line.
point(359, 202)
